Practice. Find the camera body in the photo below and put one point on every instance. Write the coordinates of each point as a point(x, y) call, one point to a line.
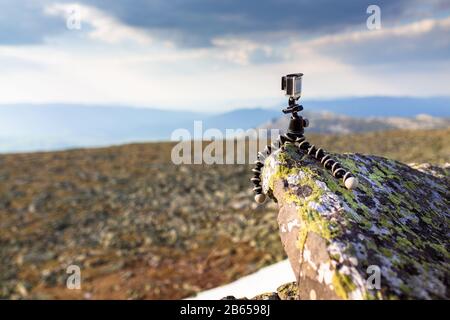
point(292, 85)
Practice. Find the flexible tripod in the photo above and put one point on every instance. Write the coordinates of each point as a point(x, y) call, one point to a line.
point(295, 136)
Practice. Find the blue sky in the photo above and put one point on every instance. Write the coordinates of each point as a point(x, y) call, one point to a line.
point(221, 54)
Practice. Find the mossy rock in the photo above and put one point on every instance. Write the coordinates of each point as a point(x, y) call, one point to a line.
point(395, 225)
point(267, 296)
point(288, 291)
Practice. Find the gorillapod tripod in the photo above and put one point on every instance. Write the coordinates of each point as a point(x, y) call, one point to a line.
point(295, 136)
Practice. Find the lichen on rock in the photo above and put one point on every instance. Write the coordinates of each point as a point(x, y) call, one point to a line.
point(287, 291)
point(396, 223)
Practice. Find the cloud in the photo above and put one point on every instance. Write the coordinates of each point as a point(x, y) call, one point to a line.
point(195, 23)
point(241, 51)
point(198, 22)
point(103, 26)
point(420, 41)
point(192, 55)
point(425, 40)
point(23, 22)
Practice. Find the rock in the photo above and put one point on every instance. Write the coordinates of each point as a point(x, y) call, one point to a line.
point(50, 279)
point(393, 227)
point(21, 289)
point(267, 296)
point(288, 291)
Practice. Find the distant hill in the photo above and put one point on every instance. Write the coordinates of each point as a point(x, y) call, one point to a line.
point(241, 118)
point(25, 127)
point(327, 122)
point(53, 127)
point(383, 106)
point(50, 127)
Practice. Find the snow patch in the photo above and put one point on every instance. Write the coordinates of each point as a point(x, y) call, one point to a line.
point(267, 279)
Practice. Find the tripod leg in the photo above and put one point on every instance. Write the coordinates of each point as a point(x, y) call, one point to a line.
point(329, 163)
point(260, 197)
point(319, 154)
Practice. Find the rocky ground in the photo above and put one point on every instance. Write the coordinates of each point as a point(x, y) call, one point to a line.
point(140, 227)
point(136, 225)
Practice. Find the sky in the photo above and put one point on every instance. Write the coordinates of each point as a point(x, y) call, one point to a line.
point(219, 55)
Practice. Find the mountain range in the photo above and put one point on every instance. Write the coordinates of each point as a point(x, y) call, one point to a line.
point(28, 127)
point(327, 122)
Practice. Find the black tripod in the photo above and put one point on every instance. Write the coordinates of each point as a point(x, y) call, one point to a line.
point(295, 135)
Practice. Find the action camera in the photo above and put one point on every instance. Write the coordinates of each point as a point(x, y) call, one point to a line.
point(292, 84)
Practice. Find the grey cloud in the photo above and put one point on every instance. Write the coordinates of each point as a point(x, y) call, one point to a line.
point(432, 45)
point(23, 22)
point(197, 22)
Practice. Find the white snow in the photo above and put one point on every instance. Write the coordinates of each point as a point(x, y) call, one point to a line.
point(267, 279)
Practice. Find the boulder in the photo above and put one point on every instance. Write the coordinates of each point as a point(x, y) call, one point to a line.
point(287, 291)
point(387, 239)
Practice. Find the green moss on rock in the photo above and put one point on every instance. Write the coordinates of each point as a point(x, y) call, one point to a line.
point(288, 291)
point(397, 219)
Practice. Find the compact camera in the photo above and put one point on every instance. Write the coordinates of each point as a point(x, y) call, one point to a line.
point(292, 84)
